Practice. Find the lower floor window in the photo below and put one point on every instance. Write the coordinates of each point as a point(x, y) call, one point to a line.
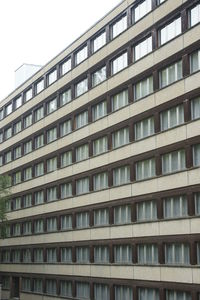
point(51, 287)
point(123, 292)
point(148, 294)
point(26, 284)
point(177, 254)
point(101, 291)
point(177, 295)
point(82, 290)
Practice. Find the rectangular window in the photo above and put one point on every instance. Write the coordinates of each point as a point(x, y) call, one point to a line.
point(1, 137)
point(82, 152)
point(39, 169)
point(17, 203)
point(51, 287)
point(145, 169)
point(8, 157)
point(39, 113)
point(196, 155)
point(28, 121)
point(122, 214)
point(81, 119)
point(119, 100)
point(39, 86)
point(101, 254)
point(82, 220)
point(148, 294)
point(28, 95)
point(173, 162)
point(195, 108)
point(143, 88)
point(170, 31)
point(81, 87)
point(52, 77)
point(1, 160)
point(39, 226)
point(119, 63)
point(66, 288)
point(17, 177)
point(8, 133)
point(27, 200)
point(38, 285)
point(27, 228)
point(17, 152)
point(28, 173)
point(26, 256)
point(18, 102)
point(16, 256)
point(101, 216)
point(120, 137)
point(123, 292)
point(100, 145)
point(66, 222)
point(8, 109)
point(16, 229)
point(51, 224)
point(17, 127)
point(6, 256)
point(121, 175)
point(176, 295)
point(82, 290)
point(51, 255)
point(82, 255)
point(66, 159)
point(39, 197)
point(99, 41)
point(5, 282)
point(100, 181)
point(1, 114)
point(99, 76)
point(123, 254)
point(38, 255)
point(66, 66)
point(52, 164)
point(65, 190)
point(81, 55)
point(26, 284)
point(82, 186)
point(177, 254)
point(51, 106)
point(170, 74)
point(52, 194)
point(146, 210)
point(51, 135)
point(28, 147)
point(195, 61)
point(195, 15)
point(65, 97)
point(101, 291)
point(144, 128)
point(147, 254)
point(175, 207)
point(39, 141)
point(66, 254)
point(99, 110)
point(142, 9)
point(172, 117)
point(119, 26)
point(143, 48)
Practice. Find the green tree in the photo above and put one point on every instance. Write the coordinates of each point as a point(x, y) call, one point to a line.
point(4, 196)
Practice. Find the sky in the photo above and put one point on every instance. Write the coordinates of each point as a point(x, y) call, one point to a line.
point(34, 31)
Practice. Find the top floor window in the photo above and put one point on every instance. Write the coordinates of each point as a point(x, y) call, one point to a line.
point(142, 9)
point(39, 86)
point(99, 41)
point(28, 95)
point(81, 55)
point(18, 102)
point(170, 31)
point(66, 66)
point(52, 77)
point(8, 109)
point(119, 26)
point(194, 15)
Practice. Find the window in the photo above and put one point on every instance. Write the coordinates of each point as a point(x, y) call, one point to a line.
point(174, 295)
point(16, 229)
point(66, 159)
point(37, 285)
point(28, 121)
point(100, 145)
point(82, 290)
point(143, 88)
point(17, 177)
point(6, 256)
point(16, 256)
point(28, 173)
point(99, 110)
point(119, 63)
point(66, 66)
point(51, 164)
point(147, 254)
point(17, 203)
point(26, 284)
point(144, 128)
point(82, 152)
point(119, 100)
point(101, 291)
point(26, 256)
point(27, 147)
point(39, 169)
point(66, 222)
point(5, 282)
point(17, 152)
point(122, 214)
point(170, 31)
point(51, 255)
point(195, 108)
point(39, 226)
point(27, 228)
point(101, 254)
point(101, 216)
point(171, 74)
point(145, 169)
point(8, 133)
point(82, 220)
point(122, 254)
point(81, 55)
point(18, 102)
point(100, 181)
point(81, 119)
point(142, 9)
point(1, 160)
point(39, 141)
point(172, 117)
point(82, 255)
point(51, 135)
point(120, 137)
point(65, 288)
point(66, 254)
point(173, 162)
point(143, 48)
point(51, 224)
point(51, 287)
point(28, 95)
point(99, 41)
point(52, 194)
point(65, 190)
point(8, 157)
point(52, 77)
point(8, 109)
point(148, 294)
point(146, 210)
point(177, 254)
point(121, 175)
point(175, 207)
point(17, 127)
point(27, 200)
point(81, 87)
point(39, 197)
point(123, 292)
point(99, 76)
point(38, 255)
point(39, 86)
point(197, 203)
point(195, 61)
point(1, 137)
point(65, 97)
point(119, 26)
point(39, 113)
point(195, 15)
point(51, 106)
point(1, 114)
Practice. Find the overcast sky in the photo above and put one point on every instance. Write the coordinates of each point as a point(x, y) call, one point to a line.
point(34, 31)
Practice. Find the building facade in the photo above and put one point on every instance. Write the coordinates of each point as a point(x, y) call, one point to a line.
point(102, 146)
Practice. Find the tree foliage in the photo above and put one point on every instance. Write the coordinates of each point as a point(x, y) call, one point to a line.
point(4, 196)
